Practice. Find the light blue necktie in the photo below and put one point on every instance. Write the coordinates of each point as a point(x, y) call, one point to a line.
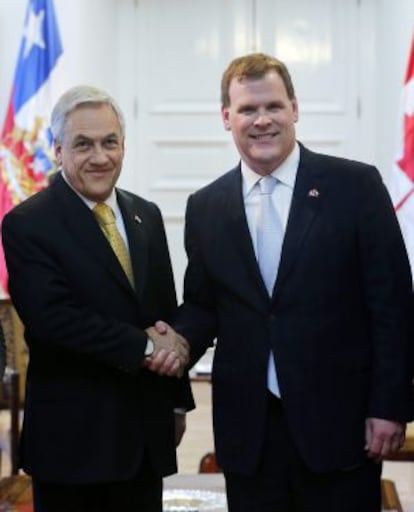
point(269, 246)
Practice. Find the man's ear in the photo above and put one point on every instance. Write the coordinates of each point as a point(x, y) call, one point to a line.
point(295, 109)
point(58, 152)
point(225, 115)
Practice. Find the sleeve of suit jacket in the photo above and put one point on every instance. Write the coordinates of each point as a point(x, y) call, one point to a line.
point(387, 282)
point(196, 318)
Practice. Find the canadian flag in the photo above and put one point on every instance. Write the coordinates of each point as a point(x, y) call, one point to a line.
point(402, 179)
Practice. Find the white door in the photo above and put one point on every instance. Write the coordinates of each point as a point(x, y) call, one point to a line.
point(318, 41)
point(176, 142)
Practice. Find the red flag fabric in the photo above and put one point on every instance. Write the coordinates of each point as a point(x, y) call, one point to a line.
point(402, 179)
point(26, 159)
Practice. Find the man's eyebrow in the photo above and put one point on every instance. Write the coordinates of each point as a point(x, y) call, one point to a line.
point(81, 136)
point(246, 106)
point(109, 135)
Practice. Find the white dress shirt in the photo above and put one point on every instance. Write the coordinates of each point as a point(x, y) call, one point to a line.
point(281, 196)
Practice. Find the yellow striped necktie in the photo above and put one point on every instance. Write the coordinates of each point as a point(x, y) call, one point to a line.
point(106, 219)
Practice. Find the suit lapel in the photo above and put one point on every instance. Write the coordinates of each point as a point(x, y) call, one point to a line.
point(308, 195)
point(240, 234)
point(81, 223)
point(306, 200)
point(137, 239)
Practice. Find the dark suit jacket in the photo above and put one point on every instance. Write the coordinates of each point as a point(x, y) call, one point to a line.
point(91, 411)
point(337, 321)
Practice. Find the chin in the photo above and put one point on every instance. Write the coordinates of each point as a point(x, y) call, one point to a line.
point(97, 196)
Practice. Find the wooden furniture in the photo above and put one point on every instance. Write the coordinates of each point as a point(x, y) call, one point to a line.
point(406, 454)
point(11, 401)
point(16, 491)
point(208, 464)
point(389, 495)
point(17, 354)
point(407, 451)
point(16, 359)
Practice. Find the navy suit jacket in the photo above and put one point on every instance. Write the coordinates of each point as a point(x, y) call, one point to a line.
point(337, 321)
point(91, 411)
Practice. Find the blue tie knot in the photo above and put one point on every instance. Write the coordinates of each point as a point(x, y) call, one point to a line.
point(267, 184)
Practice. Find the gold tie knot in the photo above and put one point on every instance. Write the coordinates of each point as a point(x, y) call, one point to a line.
point(104, 214)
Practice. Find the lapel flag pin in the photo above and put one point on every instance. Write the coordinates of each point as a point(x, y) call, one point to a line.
point(313, 193)
point(137, 219)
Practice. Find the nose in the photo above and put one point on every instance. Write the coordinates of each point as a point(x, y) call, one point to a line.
point(99, 155)
point(262, 119)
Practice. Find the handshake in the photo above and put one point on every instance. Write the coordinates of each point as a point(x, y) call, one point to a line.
point(171, 351)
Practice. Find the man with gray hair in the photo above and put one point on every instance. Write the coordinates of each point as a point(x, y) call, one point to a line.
point(89, 273)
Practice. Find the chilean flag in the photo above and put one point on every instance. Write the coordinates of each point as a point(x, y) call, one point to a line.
point(402, 179)
point(26, 156)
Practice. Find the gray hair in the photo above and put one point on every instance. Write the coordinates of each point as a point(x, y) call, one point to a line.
point(73, 98)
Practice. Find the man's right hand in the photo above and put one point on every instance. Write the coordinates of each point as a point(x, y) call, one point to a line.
point(171, 351)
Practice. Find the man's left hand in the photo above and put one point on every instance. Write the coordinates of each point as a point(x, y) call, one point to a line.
point(383, 437)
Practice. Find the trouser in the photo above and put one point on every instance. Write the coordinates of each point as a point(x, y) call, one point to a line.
point(283, 483)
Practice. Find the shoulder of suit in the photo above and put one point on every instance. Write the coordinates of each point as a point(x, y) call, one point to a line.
point(221, 183)
point(336, 165)
point(131, 196)
point(36, 203)
point(137, 202)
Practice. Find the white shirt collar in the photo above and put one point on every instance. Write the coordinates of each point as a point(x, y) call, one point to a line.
point(285, 173)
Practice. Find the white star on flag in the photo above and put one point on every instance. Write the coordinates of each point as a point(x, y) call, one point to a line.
point(26, 152)
point(33, 32)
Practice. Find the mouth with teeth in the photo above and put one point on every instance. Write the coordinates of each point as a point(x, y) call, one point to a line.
point(263, 136)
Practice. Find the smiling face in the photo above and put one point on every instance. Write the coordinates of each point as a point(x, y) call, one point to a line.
point(92, 150)
point(262, 120)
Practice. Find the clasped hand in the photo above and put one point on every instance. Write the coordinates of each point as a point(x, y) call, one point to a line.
point(171, 351)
